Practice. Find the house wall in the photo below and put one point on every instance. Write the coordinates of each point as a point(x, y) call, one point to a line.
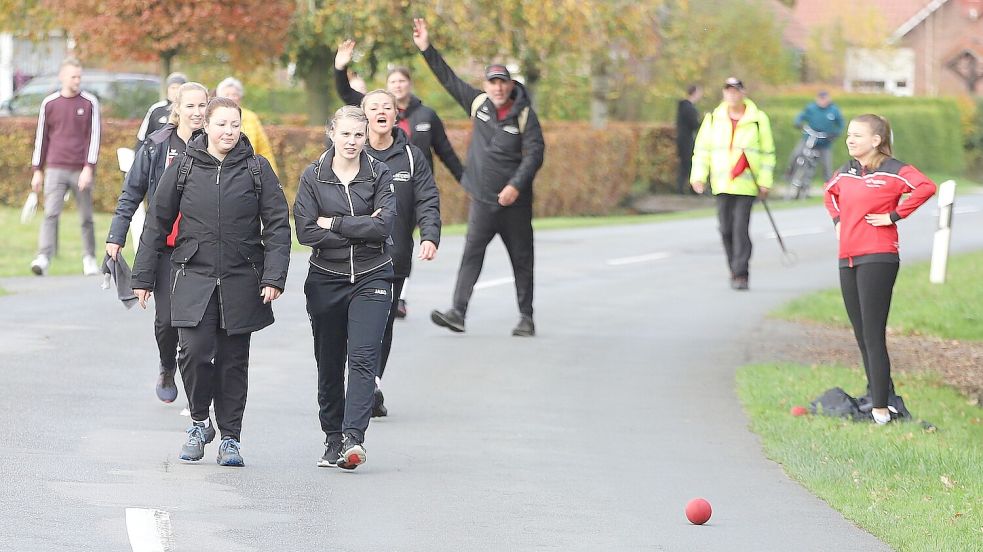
point(943, 33)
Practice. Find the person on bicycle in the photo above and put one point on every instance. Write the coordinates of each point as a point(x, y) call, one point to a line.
point(822, 116)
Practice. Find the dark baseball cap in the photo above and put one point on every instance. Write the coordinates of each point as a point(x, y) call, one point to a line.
point(734, 82)
point(497, 71)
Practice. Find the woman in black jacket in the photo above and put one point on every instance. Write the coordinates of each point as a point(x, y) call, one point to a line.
point(417, 200)
point(344, 211)
point(229, 263)
point(156, 153)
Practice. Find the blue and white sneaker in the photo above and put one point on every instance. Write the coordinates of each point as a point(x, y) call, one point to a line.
point(198, 436)
point(228, 453)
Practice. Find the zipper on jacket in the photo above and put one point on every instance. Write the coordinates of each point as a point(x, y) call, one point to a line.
point(351, 248)
point(176, 274)
point(218, 265)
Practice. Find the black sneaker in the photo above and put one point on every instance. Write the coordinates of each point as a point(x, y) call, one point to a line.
point(379, 409)
point(525, 327)
point(228, 453)
point(352, 453)
point(401, 308)
point(198, 436)
point(332, 451)
point(166, 388)
point(451, 319)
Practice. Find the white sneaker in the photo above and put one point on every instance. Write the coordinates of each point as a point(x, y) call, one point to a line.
point(89, 266)
point(39, 265)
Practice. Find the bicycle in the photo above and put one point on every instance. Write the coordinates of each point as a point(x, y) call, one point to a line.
point(804, 166)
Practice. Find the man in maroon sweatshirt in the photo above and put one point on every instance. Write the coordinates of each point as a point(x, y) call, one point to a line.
point(66, 149)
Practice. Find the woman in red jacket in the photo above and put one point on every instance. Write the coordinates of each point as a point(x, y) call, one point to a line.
point(863, 199)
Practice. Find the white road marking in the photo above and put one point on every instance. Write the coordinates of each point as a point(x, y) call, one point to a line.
point(492, 283)
point(964, 210)
point(800, 232)
point(638, 259)
point(148, 530)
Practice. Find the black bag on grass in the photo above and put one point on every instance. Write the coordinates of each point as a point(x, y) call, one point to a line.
point(838, 403)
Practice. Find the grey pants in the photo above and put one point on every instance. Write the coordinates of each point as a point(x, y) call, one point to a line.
point(56, 183)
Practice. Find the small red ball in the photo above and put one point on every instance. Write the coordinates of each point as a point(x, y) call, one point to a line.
point(799, 411)
point(698, 511)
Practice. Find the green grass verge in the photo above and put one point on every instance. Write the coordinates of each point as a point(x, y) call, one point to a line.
point(950, 311)
point(914, 489)
point(19, 242)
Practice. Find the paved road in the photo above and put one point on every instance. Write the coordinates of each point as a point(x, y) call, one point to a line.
point(591, 436)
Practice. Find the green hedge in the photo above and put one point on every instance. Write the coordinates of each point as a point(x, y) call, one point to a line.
point(587, 171)
point(928, 132)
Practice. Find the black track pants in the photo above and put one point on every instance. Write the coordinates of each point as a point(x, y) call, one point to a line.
point(734, 217)
point(867, 290)
point(387, 340)
point(165, 334)
point(348, 321)
point(214, 367)
point(514, 225)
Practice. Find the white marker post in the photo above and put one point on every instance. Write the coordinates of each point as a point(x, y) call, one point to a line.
point(943, 235)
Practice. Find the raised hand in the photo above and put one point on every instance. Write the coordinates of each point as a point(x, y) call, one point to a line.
point(344, 56)
point(420, 35)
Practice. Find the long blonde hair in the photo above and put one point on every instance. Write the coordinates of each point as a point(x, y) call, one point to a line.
point(175, 117)
point(879, 126)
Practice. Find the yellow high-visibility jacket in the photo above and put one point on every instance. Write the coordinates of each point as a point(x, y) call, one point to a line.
point(253, 130)
point(714, 154)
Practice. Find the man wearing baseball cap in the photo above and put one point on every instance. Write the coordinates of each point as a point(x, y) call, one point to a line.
point(158, 113)
point(505, 153)
point(736, 151)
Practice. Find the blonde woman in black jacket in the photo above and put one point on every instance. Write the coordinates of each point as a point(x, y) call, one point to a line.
point(229, 263)
point(344, 211)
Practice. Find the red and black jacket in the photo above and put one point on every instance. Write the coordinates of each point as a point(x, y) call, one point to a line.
point(855, 192)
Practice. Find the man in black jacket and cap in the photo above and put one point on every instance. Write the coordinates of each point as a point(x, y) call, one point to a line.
point(505, 153)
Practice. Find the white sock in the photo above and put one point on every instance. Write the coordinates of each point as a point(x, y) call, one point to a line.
point(206, 422)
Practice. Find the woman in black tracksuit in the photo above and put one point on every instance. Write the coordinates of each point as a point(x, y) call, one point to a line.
point(863, 199)
point(156, 153)
point(417, 201)
point(229, 263)
point(344, 211)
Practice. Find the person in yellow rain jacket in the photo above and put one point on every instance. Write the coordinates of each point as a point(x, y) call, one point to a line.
point(736, 151)
point(253, 129)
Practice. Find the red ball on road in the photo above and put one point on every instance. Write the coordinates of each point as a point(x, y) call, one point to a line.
point(799, 411)
point(698, 511)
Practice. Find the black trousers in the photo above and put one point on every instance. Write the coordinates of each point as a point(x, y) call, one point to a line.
point(514, 225)
point(387, 339)
point(685, 152)
point(867, 290)
point(734, 218)
point(214, 367)
point(165, 334)
point(348, 321)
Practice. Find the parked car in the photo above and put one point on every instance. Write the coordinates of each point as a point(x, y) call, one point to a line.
point(123, 95)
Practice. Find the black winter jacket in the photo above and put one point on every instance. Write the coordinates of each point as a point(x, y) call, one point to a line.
point(417, 199)
point(229, 240)
point(140, 182)
point(499, 153)
point(428, 130)
point(156, 118)
point(356, 242)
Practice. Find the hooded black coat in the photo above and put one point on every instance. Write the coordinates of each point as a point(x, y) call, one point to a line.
point(417, 199)
point(229, 239)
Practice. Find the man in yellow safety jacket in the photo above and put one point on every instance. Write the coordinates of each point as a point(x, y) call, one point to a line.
point(735, 149)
